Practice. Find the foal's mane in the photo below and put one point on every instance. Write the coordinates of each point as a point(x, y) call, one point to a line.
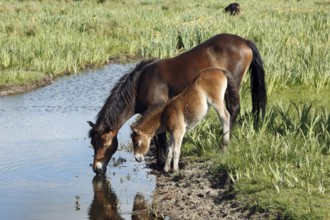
point(122, 95)
point(149, 112)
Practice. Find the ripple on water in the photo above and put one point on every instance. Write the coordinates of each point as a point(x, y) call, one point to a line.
point(36, 165)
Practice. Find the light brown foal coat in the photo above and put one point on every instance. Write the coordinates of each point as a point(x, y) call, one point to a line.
point(182, 113)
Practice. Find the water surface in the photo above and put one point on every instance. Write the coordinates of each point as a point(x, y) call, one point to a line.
point(45, 161)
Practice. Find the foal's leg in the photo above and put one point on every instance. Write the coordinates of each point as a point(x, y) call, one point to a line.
point(224, 117)
point(225, 120)
point(169, 154)
point(178, 136)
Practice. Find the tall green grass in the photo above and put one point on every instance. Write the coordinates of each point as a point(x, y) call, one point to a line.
point(50, 37)
point(284, 165)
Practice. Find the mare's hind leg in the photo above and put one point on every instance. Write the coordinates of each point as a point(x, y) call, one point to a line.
point(233, 105)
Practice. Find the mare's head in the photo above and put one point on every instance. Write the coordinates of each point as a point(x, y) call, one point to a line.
point(104, 142)
point(141, 143)
point(117, 109)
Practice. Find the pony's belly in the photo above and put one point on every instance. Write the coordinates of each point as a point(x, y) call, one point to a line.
point(195, 117)
point(192, 124)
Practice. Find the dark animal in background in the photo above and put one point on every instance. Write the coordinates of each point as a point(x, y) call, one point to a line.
point(233, 8)
point(179, 43)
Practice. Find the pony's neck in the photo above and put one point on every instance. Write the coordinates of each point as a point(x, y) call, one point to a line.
point(126, 113)
point(120, 105)
point(150, 123)
point(124, 116)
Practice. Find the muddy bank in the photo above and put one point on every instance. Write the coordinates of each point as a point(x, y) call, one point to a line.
point(195, 193)
point(15, 89)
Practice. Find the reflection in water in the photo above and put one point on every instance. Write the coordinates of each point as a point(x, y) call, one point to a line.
point(105, 202)
point(140, 208)
point(44, 155)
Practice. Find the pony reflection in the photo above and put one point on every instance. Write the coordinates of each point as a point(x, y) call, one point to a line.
point(105, 203)
point(140, 208)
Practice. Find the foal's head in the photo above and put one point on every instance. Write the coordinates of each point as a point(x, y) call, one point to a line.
point(105, 143)
point(141, 143)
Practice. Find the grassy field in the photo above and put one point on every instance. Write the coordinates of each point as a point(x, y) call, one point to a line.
point(285, 164)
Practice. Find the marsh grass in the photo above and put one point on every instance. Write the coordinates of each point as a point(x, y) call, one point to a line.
point(50, 37)
point(282, 165)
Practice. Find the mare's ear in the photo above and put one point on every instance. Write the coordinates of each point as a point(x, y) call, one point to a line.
point(91, 124)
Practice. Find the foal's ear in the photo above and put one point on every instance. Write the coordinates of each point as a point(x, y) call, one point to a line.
point(136, 131)
point(91, 124)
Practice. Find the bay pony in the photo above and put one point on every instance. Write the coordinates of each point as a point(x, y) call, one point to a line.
point(183, 113)
point(158, 80)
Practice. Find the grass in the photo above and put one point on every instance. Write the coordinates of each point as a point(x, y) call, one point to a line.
point(51, 37)
point(284, 165)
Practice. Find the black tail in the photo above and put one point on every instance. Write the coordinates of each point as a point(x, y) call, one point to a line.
point(258, 85)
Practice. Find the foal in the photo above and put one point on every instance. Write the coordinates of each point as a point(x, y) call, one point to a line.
point(182, 113)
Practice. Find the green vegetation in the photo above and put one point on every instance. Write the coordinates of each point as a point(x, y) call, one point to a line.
point(282, 166)
point(41, 38)
point(285, 164)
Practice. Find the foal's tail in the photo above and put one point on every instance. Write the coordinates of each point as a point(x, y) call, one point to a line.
point(258, 85)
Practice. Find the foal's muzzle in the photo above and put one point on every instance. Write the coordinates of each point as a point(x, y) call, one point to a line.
point(139, 157)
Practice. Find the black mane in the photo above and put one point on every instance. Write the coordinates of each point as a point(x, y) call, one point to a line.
point(122, 95)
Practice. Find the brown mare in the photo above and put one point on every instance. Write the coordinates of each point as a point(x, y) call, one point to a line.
point(182, 113)
point(156, 81)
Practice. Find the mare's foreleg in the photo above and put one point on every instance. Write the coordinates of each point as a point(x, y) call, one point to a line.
point(160, 142)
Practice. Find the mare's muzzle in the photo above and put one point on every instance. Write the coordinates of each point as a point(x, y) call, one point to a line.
point(99, 168)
